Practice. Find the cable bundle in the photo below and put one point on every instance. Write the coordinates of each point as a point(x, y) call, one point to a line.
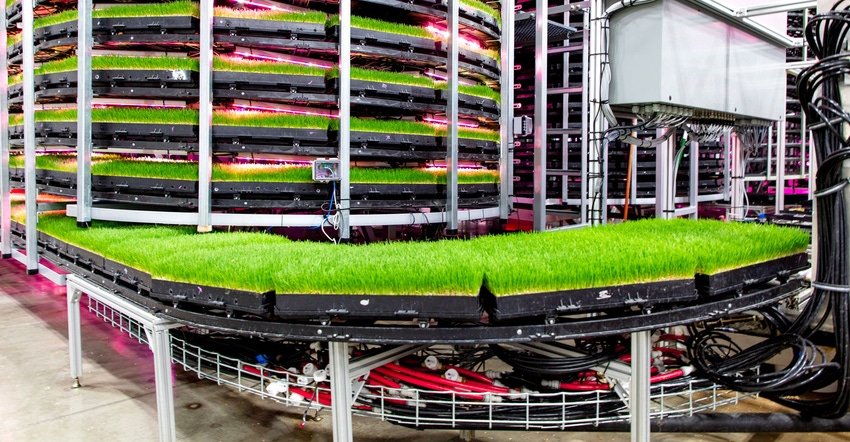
point(714, 353)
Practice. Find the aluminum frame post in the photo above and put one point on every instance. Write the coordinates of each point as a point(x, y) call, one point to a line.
point(84, 106)
point(506, 165)
point(737, 184)
point(639, 400)
point(663, 156)
point(28, 65)
point(598, 123)
point(585, 113)
point(205, 118)
point(541, 62)
point(75, 342)
point(161, 347)
point(344, 120)
point(781, 166)
point(5, 180)
point(693, 189)
point(340, 391)
point(451, 115)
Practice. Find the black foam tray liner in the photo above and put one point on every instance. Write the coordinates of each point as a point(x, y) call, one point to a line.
point(553, 304)
point(736, 280)
point(213, 297)
point(378, 307)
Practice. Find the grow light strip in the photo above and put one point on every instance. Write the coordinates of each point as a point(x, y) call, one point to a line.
point(284, 108)
point(270, 5)
point(137, 102)
point(444, 122)
point(465, 42)
point(259, 54)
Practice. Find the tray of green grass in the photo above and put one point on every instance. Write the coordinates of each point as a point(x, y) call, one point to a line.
point(280, 24)
point(632, 255)
point(717, 282)
point(407, 280)
point(241, 74)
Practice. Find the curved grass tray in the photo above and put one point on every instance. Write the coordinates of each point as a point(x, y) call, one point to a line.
point(267, 76)
point(290, 25)
point(642, 252)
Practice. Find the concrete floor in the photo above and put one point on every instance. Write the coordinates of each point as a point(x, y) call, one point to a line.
point(117, 400)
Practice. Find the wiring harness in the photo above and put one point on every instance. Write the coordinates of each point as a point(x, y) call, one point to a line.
point(810, 367)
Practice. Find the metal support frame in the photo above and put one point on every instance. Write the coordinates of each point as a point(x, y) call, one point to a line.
point(736, 181)
point(639, 403)
point(205, 111)
point(28, 66)
point(84, 109)
point(665, 187)
point(452, 117)
point(159, 341)
point(598, 124)
point(340, 391)
point(5, 183)
point(775, 6)
point(541, 98)
point(585, 112)
point(344, 120)
point(266, 220)
point(781, 165)
point(749, 25)
point(692, 209)
point(506, 120)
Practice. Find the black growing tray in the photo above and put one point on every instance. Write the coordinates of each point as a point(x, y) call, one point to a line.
point(213, 297)
point(275, 28)
point(737, 280)
point(398, 41)
point(118, 130)
point(274, 82)
point(227, 41)
point(275, 134)
point(554, 304)
point(378, 307)
point(185, 23)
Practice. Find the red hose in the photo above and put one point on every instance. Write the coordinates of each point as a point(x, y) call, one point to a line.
point(573, 386)
point(469, 374)
point(383, 381)
point(321, 397)
point(469, 386)
point(667, 376)
point(421, 383)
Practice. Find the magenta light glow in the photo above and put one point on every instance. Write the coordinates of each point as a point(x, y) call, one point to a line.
point(265, 6)
point(270, 107)
point(285, 59)
point(465, 42)
point(443, 122)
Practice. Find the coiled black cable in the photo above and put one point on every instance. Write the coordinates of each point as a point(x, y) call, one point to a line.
point(714, 353)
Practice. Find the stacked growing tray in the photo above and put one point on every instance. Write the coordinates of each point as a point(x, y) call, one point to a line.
point(279, 59)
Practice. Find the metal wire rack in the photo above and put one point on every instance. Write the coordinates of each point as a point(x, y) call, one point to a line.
point(118, 320)
point(433, 409)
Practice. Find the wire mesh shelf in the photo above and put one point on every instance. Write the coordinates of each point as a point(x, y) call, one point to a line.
point(118, 320)
point(435, 409)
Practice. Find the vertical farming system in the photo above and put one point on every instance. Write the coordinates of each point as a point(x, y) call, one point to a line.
point(207, 164)
point(275, 94)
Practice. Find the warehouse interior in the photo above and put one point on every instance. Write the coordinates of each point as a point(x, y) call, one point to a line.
point(425, 220)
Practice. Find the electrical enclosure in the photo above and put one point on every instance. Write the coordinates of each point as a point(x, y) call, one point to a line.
point(669, 52)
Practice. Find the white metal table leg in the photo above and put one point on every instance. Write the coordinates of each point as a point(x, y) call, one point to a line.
point(340, 392)
point(639, 402)
point(161, 347)
point(74, 338)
